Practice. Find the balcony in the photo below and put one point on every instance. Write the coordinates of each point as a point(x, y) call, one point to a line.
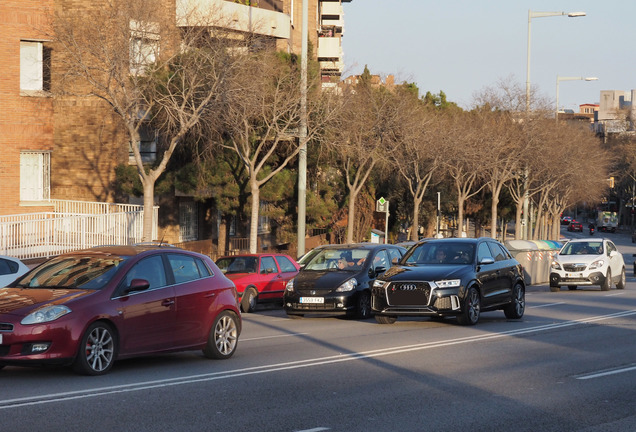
point(331, 66)
point(233, 16)
point(329, 47)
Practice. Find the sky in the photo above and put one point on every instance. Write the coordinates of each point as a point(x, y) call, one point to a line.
point(461, 47)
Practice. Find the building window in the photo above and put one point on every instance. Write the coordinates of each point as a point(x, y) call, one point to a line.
point(35, 67)
point(35, 176)
point(144, 45)
point(188, 222)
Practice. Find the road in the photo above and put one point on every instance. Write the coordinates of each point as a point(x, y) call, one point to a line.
point(568, 365)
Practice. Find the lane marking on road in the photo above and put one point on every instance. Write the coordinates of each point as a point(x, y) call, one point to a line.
point(615, 294)
point(546, 305)
point(274, 336)
point(318, 429)
point(321, 361)
point(607, 372)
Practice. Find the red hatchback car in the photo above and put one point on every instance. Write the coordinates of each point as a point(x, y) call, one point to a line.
point(259, 277)
point(575, 226)
point(89, 308)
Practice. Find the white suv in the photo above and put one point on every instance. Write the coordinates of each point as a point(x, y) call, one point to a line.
point(591, 261)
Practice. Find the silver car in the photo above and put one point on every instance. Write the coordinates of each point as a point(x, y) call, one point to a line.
point(590, 261)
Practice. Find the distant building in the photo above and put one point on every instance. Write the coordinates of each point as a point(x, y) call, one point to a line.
point(586, 113)
point(615, 112)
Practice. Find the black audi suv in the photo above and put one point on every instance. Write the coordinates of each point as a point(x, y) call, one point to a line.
point(458, 277)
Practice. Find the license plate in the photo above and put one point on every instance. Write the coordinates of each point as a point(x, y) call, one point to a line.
point(312, 300)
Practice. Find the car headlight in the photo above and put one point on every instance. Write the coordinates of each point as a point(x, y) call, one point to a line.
point(597, 264)
point(349, 285)
point(46, 314)
point(451, 283)
point(555, 265)
point(290, 285)
point(379, 283)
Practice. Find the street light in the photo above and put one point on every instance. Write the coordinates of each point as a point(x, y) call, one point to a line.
point(531, 15)
point(556, 113)
point(302, 137)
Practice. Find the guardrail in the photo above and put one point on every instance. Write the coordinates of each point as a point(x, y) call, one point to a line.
point(45, 234)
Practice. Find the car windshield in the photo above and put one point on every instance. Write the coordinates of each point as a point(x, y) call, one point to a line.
point(77, 271)
point(441, 253)
point(338, 259)
point(583, 248)
point(238, 264)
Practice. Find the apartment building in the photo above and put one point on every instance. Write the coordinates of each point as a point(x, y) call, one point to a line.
point(58, 147)
point(26, 107)
point(615, 112)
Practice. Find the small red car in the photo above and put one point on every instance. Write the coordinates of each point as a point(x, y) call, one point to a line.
point(575, 226)
point(89, 308)
point(259, 277)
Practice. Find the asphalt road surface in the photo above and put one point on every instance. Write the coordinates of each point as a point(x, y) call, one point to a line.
point(568, 365)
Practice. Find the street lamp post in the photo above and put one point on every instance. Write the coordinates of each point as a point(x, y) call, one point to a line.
point(302, 136)
point(556, 113)
point(531, 15)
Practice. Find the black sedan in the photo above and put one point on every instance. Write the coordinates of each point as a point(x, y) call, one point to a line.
point(451, 277)
point(338, 280)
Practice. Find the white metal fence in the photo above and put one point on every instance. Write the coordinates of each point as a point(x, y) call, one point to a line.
point(72, 225)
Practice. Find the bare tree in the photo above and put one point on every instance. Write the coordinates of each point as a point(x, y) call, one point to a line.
point(462, 146)
point(260, 121)
point(362, 137)
point(131, 55)
point(417, 156)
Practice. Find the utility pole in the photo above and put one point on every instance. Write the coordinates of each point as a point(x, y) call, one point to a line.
point(302, 134)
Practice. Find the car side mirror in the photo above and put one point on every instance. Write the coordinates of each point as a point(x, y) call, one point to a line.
point(613, 253)
point(138, 285)
point(486, 260)
point(379, 269)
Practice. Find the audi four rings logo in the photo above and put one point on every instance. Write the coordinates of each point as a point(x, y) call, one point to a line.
point(408, 287)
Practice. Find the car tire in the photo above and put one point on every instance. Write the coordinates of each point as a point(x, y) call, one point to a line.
point(97, 350)
point(363, 306)
point(517, 304)
point(294, 316)
point(607, 283)
point(621, 281)
point(572, 287)
point(385, 319)
point(223, 337)
point(471, 308)
point(249, 300)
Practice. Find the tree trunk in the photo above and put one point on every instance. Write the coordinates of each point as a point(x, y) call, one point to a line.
point(352, 213)
point(460, 217)
point(493, 218)
point(149, 203)
point(222, 238)
point(415, 228)
point(518, 217)
point(254, 216)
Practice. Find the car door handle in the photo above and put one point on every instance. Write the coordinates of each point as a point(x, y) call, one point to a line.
point(167, 302)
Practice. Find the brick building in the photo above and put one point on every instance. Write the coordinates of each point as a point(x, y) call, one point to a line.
point(66, 148)
point(26, 107)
